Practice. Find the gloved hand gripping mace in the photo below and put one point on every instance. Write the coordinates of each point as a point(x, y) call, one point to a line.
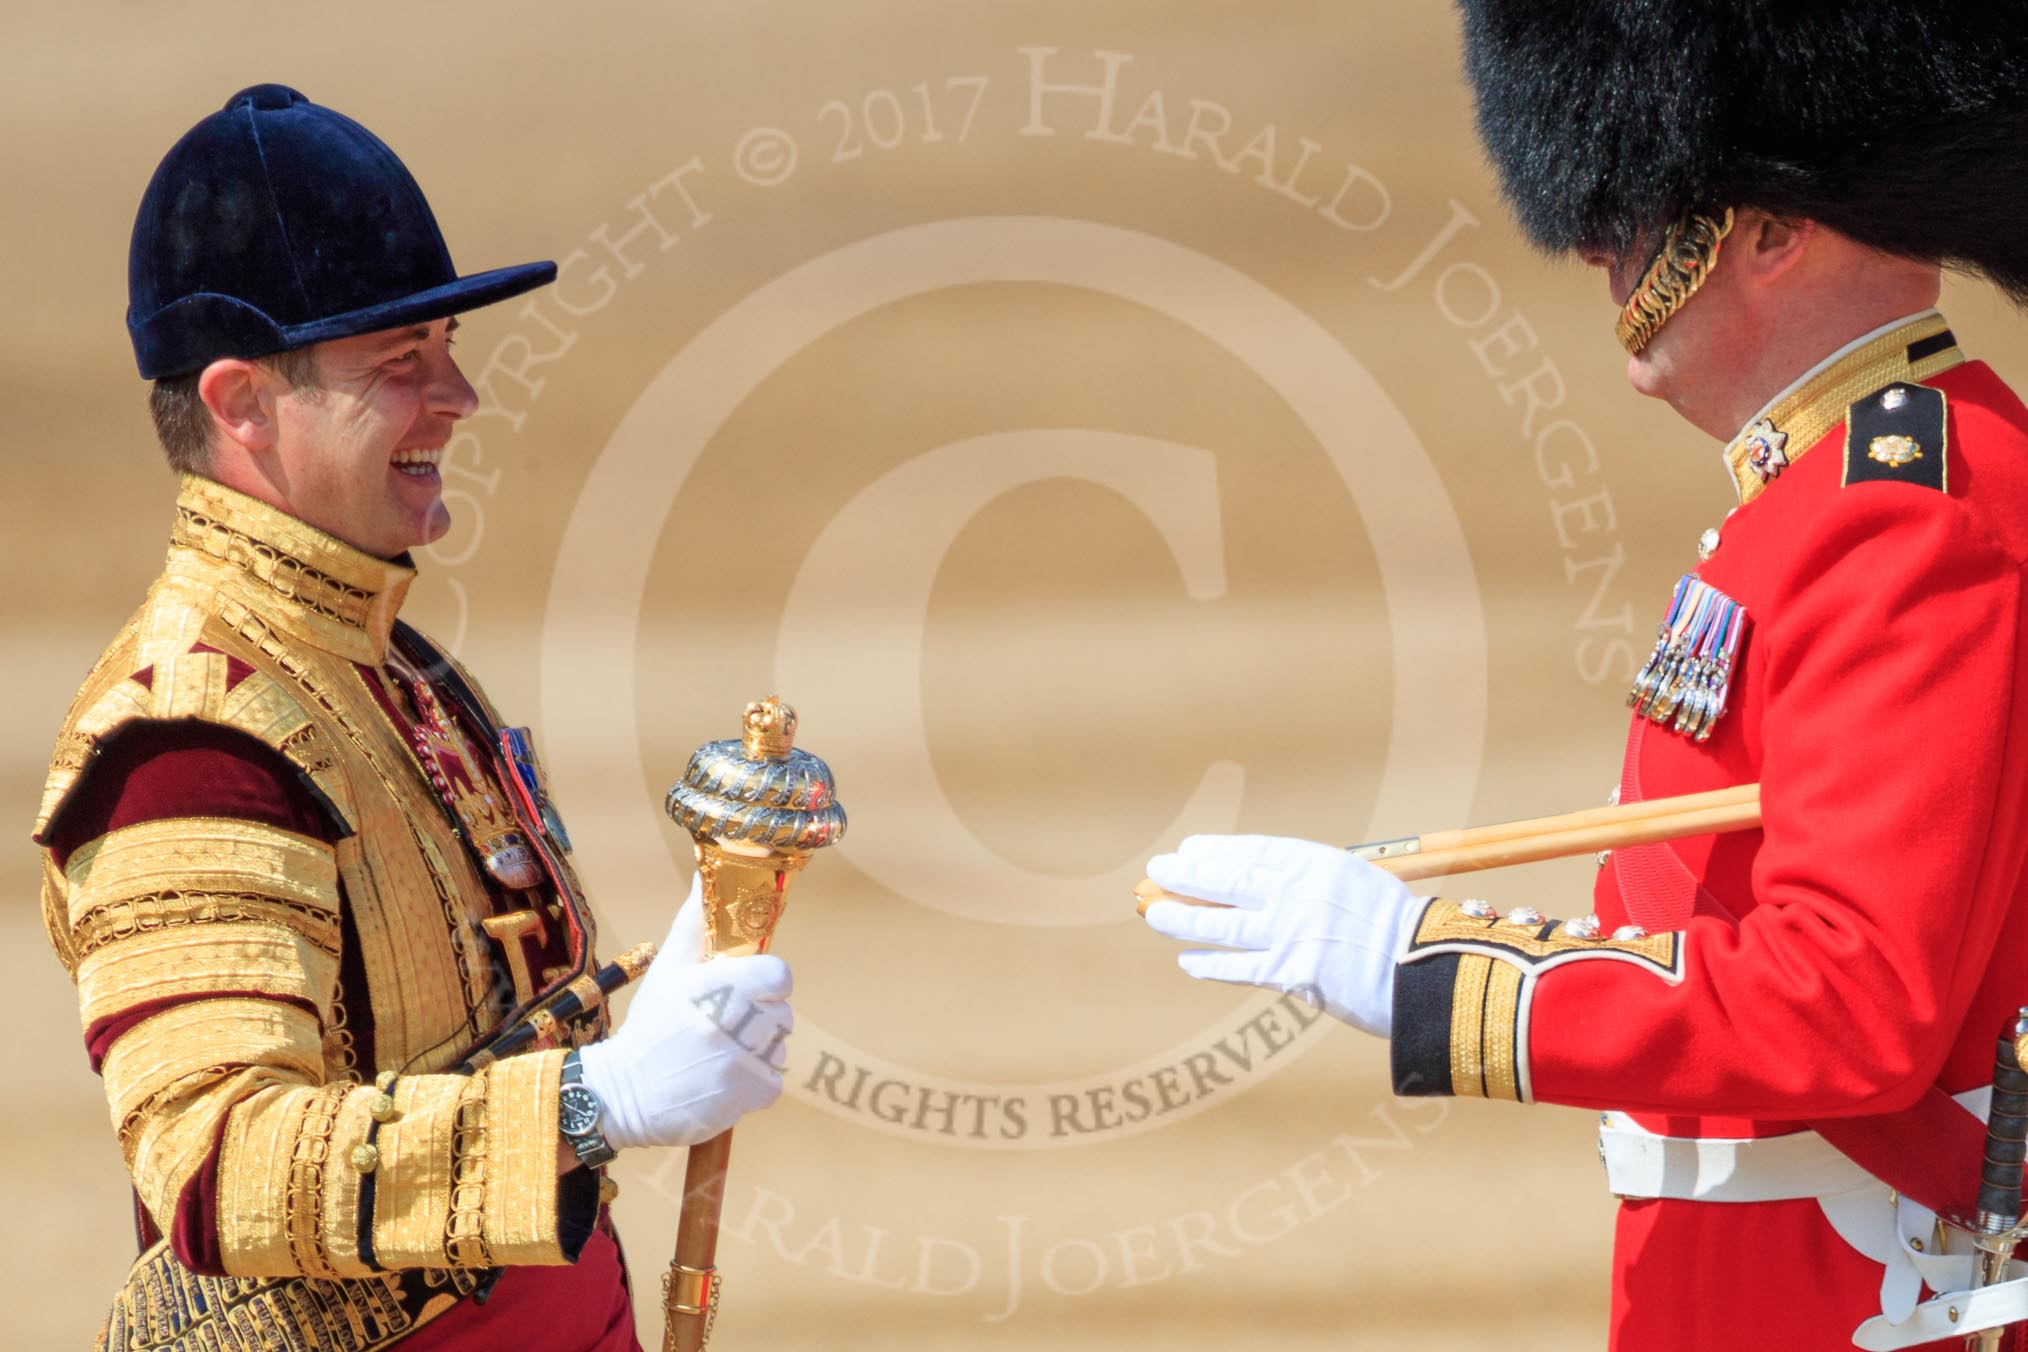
point(756, 808)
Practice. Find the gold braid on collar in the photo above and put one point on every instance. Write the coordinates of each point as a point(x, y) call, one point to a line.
point(1689, 251)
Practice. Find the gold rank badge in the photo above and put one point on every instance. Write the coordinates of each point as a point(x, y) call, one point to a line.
point(1894, 450)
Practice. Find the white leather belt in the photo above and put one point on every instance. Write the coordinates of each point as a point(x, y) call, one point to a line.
point(1900, 1234)
point(1640, 1163)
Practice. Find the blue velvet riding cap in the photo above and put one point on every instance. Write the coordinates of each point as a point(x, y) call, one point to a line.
point(276, 223)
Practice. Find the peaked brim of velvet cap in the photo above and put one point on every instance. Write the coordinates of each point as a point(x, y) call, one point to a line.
point(255, 335)
point(466, 293)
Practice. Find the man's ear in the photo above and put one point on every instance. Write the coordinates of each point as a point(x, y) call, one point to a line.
point(238, 393)
point(1772, 246)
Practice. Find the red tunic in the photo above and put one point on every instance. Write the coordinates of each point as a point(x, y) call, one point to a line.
point(1872, 938)
point(1865, 944)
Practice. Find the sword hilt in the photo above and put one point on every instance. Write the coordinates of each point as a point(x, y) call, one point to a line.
point(2006, 1137)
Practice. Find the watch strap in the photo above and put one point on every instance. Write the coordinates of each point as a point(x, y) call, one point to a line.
point(591, 1147)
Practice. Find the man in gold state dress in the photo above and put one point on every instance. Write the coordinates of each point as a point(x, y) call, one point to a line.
point(332, 960)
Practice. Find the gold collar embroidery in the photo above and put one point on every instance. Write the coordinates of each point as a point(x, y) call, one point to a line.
point(1786, 430)
point(309, 585)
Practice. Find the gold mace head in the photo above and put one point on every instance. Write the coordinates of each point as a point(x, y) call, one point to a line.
point(767, 729)
point(756, 807)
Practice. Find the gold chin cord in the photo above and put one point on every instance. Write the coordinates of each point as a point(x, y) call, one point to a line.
point(756, 808)
point(1689, 251)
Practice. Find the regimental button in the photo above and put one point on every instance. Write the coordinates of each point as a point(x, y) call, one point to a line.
point(1478, 910)
point(365, 1158)
point(1524, 915)
point(1707, 543)
point(1626, 932)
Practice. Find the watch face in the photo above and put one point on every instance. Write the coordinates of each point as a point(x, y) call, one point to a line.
point(577, 1110)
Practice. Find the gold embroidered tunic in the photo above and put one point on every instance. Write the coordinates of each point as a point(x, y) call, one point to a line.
point(207, 952)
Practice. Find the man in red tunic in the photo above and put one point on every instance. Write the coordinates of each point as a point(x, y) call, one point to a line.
point(332, 958)
point(1775, 1022)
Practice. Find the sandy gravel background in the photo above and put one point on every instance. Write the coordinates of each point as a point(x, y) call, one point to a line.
point(1084, 482)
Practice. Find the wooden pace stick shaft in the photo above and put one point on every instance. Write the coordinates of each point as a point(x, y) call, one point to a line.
point(1471, 849)
point(1617, 815)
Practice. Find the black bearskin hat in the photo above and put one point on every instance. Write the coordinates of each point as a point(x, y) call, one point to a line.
point(1902, 125)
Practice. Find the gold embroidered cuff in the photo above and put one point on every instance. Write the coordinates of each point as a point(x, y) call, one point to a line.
point(412, 1182)
point(288, 1192)
point(465, 1228)
point(1484, 1034)
point(254, 1198)
point(520, 1171)
point(311, 1166)
point(344, 1180)
point(466, 1175)
point(1462, 992)
point(293, 1172)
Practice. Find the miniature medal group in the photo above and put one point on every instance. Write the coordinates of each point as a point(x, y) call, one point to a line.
point(455, 771)
point(1687, 678)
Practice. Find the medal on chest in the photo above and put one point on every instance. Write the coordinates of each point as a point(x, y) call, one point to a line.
point(531, 784)
point(464, 786)
point(1686, 680)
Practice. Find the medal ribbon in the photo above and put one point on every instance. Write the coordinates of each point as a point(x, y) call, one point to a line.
point(1687, 679)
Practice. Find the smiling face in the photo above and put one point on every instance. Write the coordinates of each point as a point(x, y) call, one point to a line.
point(355, 452)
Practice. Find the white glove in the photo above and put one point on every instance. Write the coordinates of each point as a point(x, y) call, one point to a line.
point(1308, 919)
point(674, 1073)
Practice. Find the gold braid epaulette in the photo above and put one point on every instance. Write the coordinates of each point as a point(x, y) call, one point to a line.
point(1689, 251)
point(164, 1307)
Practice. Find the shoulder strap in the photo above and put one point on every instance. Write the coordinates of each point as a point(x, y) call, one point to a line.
point(444, 672)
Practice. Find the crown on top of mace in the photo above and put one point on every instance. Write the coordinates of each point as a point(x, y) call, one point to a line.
point(760, 788)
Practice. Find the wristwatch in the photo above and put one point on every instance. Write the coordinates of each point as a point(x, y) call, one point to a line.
point(578, 1111)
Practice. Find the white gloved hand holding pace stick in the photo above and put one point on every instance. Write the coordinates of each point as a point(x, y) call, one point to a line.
point(700, 1047)
point(1294, 916)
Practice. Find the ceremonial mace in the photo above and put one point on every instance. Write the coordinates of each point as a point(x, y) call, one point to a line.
point(756, 808)
point(1467, 850)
